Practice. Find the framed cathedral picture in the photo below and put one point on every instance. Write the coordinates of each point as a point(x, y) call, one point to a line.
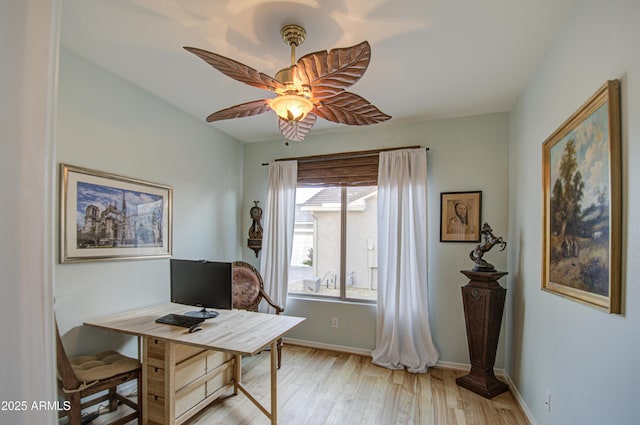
point(582, 215)
point(105, 216)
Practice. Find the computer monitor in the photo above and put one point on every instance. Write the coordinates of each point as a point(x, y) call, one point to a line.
point(201, 283)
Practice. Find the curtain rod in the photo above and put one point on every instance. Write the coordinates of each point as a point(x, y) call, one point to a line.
point(344, 155)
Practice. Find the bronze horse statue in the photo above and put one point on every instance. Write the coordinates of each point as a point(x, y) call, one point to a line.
point(490, 240)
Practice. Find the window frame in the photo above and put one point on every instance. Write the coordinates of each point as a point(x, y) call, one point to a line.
point(342, 297)
point(344, 170)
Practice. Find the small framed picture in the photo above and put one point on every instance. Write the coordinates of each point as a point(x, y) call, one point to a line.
point(104, 216)
point(460, 215)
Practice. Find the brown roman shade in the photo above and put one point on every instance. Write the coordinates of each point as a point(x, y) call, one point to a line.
point(341, 169)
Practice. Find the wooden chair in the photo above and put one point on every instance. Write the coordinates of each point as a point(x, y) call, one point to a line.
point(83, 376)
point(248, 291)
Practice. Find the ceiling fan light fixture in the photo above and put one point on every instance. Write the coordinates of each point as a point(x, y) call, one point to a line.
point(312, 87)
point(291, 107)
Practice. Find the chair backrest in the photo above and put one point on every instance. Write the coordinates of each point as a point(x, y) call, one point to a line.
point(248, 287)
point(65, 371)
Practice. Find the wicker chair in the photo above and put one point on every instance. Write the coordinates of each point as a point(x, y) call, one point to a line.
point(83, 376)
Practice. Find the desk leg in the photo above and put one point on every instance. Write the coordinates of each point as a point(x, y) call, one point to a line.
point(238, 387)
point(237, 374)
point(274, 382)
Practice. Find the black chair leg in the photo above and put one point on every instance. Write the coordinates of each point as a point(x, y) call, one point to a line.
point(279, 353)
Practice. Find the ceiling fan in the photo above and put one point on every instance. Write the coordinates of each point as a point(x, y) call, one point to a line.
point(312, 87)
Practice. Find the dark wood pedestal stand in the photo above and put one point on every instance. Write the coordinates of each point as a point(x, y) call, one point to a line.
point(483, 300)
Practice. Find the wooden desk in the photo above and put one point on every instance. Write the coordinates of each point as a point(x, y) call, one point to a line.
point(184, 372)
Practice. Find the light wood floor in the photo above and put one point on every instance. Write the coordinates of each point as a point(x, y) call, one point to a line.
point(319, 387)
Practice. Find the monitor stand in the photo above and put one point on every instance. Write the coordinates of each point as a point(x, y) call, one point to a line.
point(202, 314)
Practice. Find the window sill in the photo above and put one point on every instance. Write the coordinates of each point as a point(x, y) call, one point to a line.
point(326, 299)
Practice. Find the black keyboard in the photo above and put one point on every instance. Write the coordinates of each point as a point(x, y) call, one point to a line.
point(179, 320)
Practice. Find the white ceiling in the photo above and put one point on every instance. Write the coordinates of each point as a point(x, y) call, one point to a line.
point(431, 59)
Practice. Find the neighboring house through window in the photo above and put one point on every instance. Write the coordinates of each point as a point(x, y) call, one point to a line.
point(334, 243)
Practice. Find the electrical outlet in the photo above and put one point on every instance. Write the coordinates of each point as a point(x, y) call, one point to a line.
point(547, 401)
point(334, 322)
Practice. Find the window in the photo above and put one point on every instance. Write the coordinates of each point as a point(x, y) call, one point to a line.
point(334, 243)
point(335, 235)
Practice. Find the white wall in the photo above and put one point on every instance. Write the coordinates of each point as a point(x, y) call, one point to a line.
point(465, 154)
point(28, 44)
point(107, 124)
point(587, 359)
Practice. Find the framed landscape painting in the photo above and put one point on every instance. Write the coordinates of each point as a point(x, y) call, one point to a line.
point(582, 206)
point(104, 216)
point(460, 215)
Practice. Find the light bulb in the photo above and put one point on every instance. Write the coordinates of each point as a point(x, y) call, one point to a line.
point(291, 107)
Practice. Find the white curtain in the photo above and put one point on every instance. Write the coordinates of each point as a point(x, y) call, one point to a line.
point(403, 334)
point(278, 230)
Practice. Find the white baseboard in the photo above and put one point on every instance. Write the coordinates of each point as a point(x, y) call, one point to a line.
point(452, 365)
point(330, 347)
point(365, 352)
point(519, 399)
point(501, 374)
point(128, 388)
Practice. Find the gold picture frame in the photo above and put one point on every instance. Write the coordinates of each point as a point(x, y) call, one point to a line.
point(582, 216)
point(105, 216)
point(460, 216)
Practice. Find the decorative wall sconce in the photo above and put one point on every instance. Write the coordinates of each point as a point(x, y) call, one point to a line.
point(255, 231)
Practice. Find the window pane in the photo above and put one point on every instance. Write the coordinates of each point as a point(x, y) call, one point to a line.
point(361, 279)
point(316, 255)
point(326, 210)
point(315, 258)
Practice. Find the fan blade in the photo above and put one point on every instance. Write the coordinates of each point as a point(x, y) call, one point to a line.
point(329, 73)
point(237, 70)
point(248, 109)
point(297, 130)
point(349, 108)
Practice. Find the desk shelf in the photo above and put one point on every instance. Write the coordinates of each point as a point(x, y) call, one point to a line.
point(182, 380)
